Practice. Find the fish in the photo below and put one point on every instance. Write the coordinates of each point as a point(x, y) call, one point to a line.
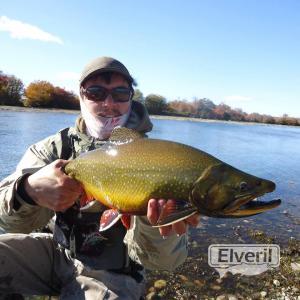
point(131, 169)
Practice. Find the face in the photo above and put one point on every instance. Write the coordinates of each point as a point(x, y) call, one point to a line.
point(108, 107)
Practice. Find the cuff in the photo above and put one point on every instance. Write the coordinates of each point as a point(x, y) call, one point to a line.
point(21, 192)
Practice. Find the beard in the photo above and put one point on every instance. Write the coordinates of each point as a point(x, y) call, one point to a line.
point(101, 125)
point(109, 113)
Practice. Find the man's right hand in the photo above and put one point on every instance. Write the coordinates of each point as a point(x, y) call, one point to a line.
point(50, 187)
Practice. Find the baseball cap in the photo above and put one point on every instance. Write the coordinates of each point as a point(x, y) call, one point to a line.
point(104, 64)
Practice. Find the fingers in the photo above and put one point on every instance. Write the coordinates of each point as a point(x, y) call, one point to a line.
point(50, 187)
point(60, 163)
point(153, 213)
point(154, 210)
point(193, 220)
point(166, 230)
point(180, 227)
point(71, 184)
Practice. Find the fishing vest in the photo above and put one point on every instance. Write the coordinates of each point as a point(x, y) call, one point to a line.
point(77, 228)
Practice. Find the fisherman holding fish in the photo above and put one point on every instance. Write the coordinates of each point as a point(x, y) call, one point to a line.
point(78, 261)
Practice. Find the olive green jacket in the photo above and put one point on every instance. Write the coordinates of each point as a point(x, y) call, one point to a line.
point(145, 244)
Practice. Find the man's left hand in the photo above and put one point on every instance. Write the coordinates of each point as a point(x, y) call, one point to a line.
point(154, 208)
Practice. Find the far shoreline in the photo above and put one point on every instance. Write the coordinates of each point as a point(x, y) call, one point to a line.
point(158, 117)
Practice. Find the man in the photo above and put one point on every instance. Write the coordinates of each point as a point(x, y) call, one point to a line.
point(77, 262)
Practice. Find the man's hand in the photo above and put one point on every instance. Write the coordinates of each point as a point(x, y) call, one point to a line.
point(153, 212)
point(50, 187)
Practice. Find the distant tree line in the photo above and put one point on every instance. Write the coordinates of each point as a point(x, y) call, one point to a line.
point(204, 108)
point(43, 94)
point(37, 94)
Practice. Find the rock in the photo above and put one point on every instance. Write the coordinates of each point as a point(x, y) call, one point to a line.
point(256, 296)
point(215, 287)
point(221, 297)
point(295, 290)
point(188, 284)
point(161, 295)
point(160, 284)
point(219, 280)
point(263, 294)
point(151, 296)
point(232, 297)
point(183, 278)
point(199, 282)
point(276, 282)
point(295, 266)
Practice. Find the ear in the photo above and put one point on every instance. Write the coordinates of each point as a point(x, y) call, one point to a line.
point(210, 176)
point(81, 91)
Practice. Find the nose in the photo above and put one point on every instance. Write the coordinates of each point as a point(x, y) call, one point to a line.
point(109, 101)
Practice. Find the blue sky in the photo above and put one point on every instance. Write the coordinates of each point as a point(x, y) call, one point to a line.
point(244, 53)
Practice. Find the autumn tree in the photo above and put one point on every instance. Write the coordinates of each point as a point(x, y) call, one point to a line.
point(138, 96)
point(39, 94)
point(222, 112)
point(203, 108)
point(44, 94)
point(64, 99)
point(11, 90)
point(155, 104)
point(180, 107)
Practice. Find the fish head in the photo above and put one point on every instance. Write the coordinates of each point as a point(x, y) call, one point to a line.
point(224, 191)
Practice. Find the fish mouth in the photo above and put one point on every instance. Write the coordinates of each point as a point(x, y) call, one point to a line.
point(249, 205)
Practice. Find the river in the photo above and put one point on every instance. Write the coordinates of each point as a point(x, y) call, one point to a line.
point(268, 151)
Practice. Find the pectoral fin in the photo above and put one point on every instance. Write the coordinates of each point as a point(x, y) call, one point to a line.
point(109, 218)
point(174, 211)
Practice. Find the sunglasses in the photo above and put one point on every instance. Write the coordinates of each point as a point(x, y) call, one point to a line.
point(100, 93)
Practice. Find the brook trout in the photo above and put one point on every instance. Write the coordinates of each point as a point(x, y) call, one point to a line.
point(130, 170)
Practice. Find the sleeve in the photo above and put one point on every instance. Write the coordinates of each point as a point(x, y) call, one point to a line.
point(15, 214)
point(147, 247)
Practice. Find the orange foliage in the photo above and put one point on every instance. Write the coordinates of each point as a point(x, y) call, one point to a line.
point(44, 94)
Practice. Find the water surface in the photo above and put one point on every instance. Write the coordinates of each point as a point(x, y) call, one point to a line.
point(268, 151)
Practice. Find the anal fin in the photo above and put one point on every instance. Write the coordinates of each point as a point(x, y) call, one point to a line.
point(126, 221)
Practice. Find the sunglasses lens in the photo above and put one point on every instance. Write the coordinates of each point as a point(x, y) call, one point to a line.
point(99, 93)
point(121, 94)
point(96, 93)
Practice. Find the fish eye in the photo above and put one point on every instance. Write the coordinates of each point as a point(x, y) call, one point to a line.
point(243, 186)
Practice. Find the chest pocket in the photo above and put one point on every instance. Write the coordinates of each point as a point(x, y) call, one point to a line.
point(73, 145)
point(79, 232)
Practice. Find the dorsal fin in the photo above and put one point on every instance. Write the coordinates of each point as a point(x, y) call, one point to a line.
point(123, 135)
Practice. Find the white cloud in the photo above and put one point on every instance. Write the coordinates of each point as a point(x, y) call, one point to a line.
point(68, 76)
point(20, 30)
point(237, 98)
